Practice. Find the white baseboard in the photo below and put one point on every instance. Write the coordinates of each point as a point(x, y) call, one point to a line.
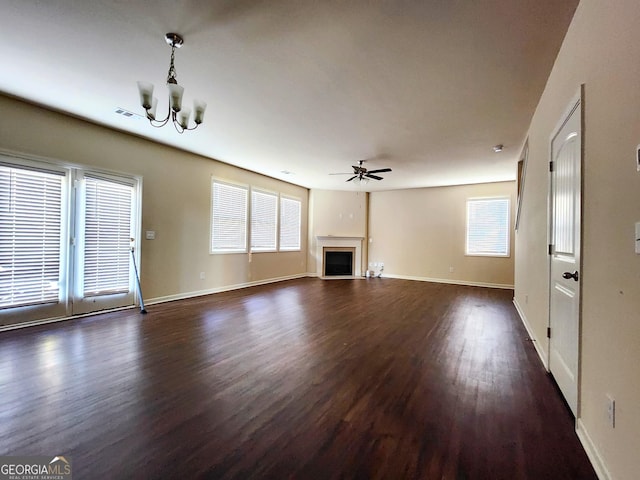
point(588, 445)
point(449, 281)
point(43, 321)
point(535, 340)
point(592, 452)
point(153, 301)
point(225, 288)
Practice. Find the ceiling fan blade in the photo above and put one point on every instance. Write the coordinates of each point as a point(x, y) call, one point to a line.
point(375, 177)
point(380, 170)
point(355, 176)
point(342, 173)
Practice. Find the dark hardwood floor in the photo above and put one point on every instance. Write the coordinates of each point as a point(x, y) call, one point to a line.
point(305, 379)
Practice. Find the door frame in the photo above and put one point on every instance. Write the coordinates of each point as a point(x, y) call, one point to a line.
point(16, 317)
point(577, 101)
point(79, 304)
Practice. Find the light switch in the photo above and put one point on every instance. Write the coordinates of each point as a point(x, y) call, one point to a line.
point(150, 235)
point(638, 238)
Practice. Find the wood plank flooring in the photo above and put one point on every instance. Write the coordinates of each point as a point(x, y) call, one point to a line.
point(304, 379)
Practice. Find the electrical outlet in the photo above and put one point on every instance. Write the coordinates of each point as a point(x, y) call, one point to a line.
point(451, 269)
point(202, 275)
point(611, 411)
point(381, 265)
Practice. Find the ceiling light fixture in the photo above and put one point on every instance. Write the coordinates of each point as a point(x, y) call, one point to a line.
point(498, 148)
point(149, 102)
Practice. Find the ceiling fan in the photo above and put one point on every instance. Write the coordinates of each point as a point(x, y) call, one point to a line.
point(362, 174)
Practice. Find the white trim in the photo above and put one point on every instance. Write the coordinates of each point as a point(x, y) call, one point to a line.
point(247, 216)
point(524, 157)
point(328, 241)
point(276, 230)
point(226, 288)
point(70, 172)
point(450, 281)
point(200, 293)
point(64, 164)
point(44, 321)
point(535, 340)
point(592, 452)
point(576, 104)
point(157, 300)
point(507, 254)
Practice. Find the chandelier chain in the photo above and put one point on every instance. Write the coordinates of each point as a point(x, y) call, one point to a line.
point(172, 76)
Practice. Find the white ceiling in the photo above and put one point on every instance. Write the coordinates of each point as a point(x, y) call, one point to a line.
point(306, 86)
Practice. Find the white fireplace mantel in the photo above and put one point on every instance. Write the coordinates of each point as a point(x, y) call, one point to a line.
point(328, 241)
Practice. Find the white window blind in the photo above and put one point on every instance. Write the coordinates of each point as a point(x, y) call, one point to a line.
point(264, 221)
point(290, 210)
point(488, 227)
point(107, 237)
point(30, 230)
point(228, 217)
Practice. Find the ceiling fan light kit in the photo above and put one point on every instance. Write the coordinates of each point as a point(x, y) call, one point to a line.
point(362, 175)
point(178, 115)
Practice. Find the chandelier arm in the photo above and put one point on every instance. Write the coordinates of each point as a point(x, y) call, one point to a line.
point(158, 123)
point(164, 121)
point(193, 128)
point(179, 128)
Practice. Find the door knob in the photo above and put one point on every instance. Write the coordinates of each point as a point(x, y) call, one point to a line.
point(568, 275)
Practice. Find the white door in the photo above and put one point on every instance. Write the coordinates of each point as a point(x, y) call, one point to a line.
point(564, 301)
point(105, 219)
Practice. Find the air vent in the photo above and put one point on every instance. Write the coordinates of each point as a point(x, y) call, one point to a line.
point(127, 113)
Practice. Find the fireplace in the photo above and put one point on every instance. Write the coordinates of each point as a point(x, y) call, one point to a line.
point(338, 261)
point(331, 243)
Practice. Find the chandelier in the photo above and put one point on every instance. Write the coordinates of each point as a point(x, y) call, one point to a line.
point(178, 114)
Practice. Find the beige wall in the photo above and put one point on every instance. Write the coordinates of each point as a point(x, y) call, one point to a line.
point(420, 233)
point(176, 199)
point(601, 51)
point(337, 213)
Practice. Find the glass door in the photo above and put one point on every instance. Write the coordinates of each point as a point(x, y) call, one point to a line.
point(105, 220)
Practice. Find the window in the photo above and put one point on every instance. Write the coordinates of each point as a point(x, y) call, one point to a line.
point(264, 221)
point(228, 218)
point(488, 227)
point(289, 224)
point(107, 236)
point(30, 236)
point(270, 223)
point(56, 260)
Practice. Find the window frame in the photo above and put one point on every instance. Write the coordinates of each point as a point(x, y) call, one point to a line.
point(276, 218)
point(84, 178)
point(50, 307)
point(280, 223)
point(507, 227)
point(70, 209)
point(247, 219)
